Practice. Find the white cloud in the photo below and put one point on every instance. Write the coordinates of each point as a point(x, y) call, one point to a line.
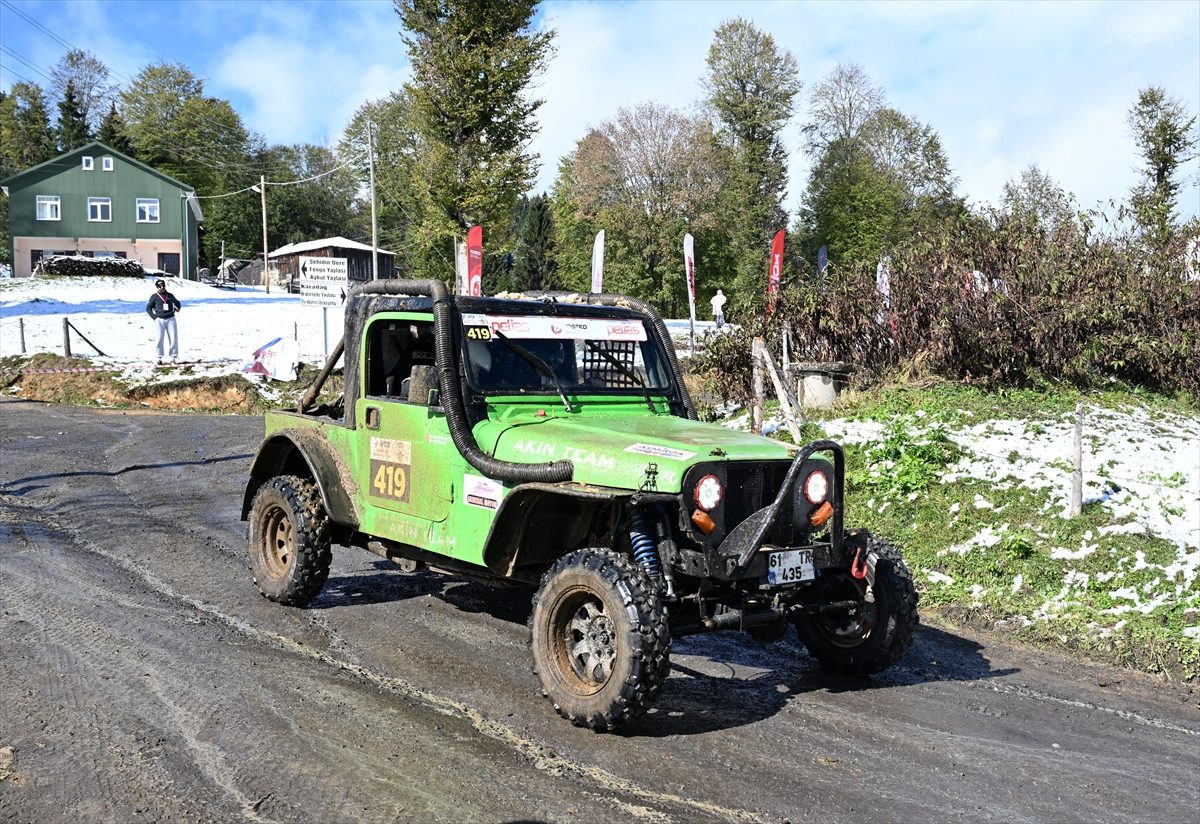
point(1005, 84)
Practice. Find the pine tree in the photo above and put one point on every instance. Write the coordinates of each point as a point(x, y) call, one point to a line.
point(1166, 138)
point(752, 86)
point(472, 65)
point(112, 132)
point(533, 263)
point(72, 129)
point(27, 138)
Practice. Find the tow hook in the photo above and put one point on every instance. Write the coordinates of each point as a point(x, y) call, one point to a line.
point(858, 567)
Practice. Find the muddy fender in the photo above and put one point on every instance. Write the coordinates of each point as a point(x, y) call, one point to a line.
point(305, 453)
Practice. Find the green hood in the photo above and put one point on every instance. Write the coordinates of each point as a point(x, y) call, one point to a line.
point(613, 449)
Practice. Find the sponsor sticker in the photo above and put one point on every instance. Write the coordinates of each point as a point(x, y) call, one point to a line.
point(520, 327)
point(482, 492)
point(659, 451)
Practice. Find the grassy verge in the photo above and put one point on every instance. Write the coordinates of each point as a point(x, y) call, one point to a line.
point(969, 485)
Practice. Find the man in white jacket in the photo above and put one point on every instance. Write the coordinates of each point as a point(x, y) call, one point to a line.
point(718, 305)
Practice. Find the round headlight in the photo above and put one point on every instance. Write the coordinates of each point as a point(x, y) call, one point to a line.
point(816, 487)
point(708, 492)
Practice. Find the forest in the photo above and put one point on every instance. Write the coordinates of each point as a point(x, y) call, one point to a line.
point(885, 263)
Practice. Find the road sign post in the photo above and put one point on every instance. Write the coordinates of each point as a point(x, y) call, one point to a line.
point(323, 281)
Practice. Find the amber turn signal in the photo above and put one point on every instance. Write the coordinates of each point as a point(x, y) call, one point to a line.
point(821, 515)
point(702, 519)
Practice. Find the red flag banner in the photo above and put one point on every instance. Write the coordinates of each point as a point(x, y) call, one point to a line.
point(475, 261)
point(776, 268)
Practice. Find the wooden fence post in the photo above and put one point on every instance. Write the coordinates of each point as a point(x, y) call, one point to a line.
point(66, 338)
point(785, 397)
point(1077, 474)
point(21, 324)
point(756, 410)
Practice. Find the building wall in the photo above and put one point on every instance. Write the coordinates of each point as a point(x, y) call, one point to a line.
point(128, 181)
point(145, 250)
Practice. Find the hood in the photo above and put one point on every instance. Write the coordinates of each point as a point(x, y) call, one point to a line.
point(614, 449)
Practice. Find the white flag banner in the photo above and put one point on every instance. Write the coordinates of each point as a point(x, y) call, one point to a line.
point(689, 264)
point(598, 263)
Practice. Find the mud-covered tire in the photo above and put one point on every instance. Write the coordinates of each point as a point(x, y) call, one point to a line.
point(289, 540)
point(599, 638)
point(875, 639)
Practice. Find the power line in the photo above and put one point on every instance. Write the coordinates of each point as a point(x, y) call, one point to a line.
point(13, 54)
point(68, 45)
point(15, 73)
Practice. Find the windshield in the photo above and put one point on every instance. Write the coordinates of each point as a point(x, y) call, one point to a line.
point(513, 353)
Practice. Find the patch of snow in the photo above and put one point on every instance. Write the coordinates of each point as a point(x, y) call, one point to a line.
point(938, 577)
point(218, 327)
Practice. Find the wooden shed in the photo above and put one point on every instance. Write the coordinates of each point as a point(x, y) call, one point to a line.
point(285, 261)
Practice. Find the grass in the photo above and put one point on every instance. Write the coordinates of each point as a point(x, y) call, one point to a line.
point(996, 552)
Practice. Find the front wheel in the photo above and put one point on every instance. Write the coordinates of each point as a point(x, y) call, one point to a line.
point(874, 636)
point(289, 540)
point(599, 637)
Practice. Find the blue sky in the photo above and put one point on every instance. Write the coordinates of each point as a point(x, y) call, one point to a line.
point(1005, 84)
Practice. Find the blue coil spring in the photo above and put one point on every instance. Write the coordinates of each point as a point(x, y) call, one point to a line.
point(644, 551)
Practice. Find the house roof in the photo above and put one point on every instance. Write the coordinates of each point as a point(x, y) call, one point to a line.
point(338, 242)
point(91, 148)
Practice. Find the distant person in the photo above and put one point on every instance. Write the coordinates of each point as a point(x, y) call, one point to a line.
point(718, 305)
point(162, 306)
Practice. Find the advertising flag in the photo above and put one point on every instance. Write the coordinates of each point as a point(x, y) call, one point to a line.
point(776, 268)
point(475, 261)
point(598, 263)
point(689, 262)
point(689, 265)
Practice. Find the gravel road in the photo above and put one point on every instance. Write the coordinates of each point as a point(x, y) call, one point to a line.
point(143, 678)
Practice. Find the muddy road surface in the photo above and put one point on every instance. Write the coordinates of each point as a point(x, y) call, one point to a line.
point(143, 678)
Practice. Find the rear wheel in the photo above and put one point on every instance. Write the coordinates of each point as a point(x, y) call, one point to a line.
point(289, 540)
point(876, 635)
point(599, 637)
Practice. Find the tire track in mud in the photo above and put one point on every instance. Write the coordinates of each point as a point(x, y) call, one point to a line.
point(67, 635)
point(210, 760)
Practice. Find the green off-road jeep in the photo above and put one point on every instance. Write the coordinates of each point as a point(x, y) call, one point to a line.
point(549, 440)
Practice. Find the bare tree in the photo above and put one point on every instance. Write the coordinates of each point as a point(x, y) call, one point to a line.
point(647, 176)
point(93, 91)
point(842, 104)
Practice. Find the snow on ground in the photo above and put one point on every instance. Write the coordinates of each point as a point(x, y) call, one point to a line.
point(222, 327)
point(1154, 459)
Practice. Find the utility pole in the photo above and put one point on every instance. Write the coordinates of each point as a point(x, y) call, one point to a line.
point(374, 224)
point(262, 187)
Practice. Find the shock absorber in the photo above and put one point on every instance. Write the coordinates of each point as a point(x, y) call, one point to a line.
point(644, 551)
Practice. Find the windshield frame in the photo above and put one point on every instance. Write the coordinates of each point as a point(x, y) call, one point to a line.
point(668, 393)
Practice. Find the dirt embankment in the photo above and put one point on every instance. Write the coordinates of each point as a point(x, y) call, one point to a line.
point(169, 387)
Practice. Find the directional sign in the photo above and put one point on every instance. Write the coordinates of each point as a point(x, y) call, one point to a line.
point(323, 281)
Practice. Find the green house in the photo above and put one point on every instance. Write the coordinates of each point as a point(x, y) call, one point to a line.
point(95, 201)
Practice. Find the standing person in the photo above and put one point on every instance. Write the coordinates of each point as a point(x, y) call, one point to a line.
point(718, 305)
point(162, 307)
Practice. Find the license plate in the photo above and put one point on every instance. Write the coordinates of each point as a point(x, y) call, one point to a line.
point(789, 566)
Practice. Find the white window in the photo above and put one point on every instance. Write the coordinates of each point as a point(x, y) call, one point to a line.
point(106, 164)
point(147, 210)
point(88, 164)
point(100, 209)
point(48, 207)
